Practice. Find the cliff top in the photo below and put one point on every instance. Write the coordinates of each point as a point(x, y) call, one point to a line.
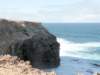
point(5, 21)
point(11, 65)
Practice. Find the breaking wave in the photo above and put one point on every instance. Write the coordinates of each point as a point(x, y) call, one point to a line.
point(88, 50)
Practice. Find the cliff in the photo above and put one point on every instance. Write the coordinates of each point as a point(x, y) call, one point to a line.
point(29, 41)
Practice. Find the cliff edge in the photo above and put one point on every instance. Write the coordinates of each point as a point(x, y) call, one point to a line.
point(11, 65)
point(29, 41)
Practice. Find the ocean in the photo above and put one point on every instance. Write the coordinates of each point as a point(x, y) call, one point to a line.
point(78, 41)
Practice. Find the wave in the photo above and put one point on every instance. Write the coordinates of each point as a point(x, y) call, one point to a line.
point(88, 50)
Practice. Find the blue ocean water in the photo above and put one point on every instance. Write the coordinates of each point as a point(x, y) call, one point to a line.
point(77, 32)
point(77, 39)
point(79, 47)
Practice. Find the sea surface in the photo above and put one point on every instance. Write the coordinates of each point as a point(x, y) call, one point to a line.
point(78, 41)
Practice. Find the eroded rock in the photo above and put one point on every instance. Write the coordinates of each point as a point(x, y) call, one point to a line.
point(30, 41)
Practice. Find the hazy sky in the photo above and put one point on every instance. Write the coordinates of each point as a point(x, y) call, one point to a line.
point(51, 10)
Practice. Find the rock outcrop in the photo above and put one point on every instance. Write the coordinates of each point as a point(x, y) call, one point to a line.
point(30, 41)
point(11, 65)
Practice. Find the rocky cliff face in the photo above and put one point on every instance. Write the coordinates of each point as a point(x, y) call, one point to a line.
point(30, 41)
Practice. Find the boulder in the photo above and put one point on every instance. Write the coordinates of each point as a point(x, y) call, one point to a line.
point(29, 41)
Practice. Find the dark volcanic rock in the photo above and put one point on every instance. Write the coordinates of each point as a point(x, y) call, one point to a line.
point(30, 41)
point(97, 65)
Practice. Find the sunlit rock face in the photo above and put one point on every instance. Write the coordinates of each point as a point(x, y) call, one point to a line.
point(30, 41)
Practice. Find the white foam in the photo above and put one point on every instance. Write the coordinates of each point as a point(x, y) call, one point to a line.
point(69, 48)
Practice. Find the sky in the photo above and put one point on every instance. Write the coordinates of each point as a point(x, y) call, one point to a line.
point(51, 10)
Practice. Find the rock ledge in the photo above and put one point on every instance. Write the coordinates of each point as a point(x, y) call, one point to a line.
point(11, 65)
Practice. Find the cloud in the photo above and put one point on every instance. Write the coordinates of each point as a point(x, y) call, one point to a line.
point(52, 11)
point(87, 17)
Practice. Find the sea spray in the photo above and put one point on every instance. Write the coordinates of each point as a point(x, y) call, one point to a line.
point(87, 50)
